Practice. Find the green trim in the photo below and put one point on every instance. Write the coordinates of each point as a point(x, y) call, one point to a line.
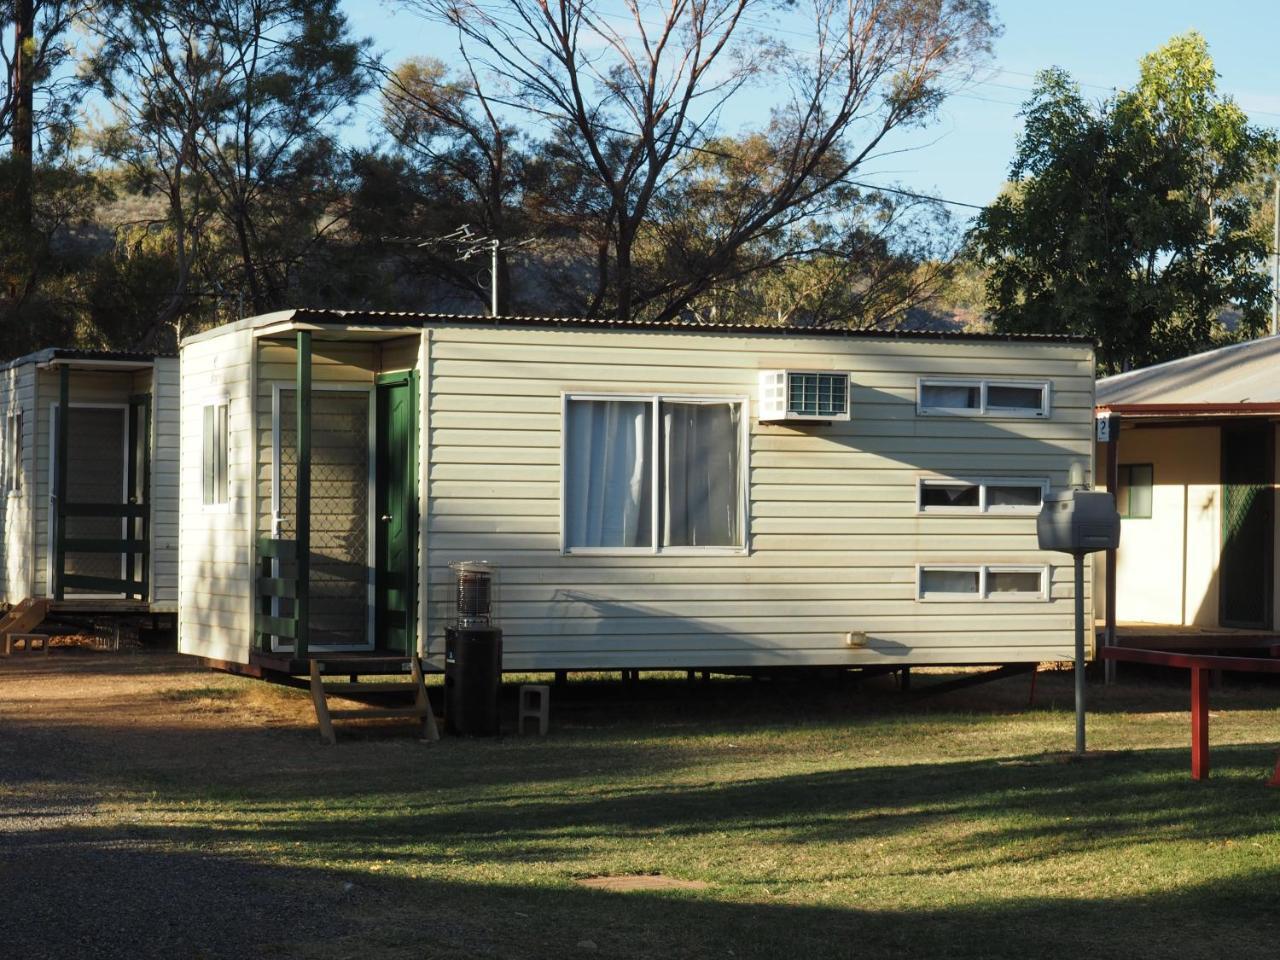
point(1125, 487)
point(60, 483)
point(101, 584)
point(393, 379)
point(283, 587)
point(302, 510)
point(287, 627)
point(271, 549)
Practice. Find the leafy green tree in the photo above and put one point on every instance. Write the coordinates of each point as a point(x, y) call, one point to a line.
point(1132, 220)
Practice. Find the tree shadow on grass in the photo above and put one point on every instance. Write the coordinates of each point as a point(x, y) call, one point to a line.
point(106, 899)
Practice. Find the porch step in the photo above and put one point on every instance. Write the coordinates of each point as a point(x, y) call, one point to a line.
point(21, 620)
point(366, 689)
point(377, 712)
point(415, 690)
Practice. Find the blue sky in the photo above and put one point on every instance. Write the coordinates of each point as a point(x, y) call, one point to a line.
point(965, 154)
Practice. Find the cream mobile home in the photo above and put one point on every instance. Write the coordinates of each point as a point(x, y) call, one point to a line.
point(89, 470)
point(681, 496)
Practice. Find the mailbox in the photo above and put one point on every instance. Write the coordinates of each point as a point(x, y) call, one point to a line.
point(1078, 521)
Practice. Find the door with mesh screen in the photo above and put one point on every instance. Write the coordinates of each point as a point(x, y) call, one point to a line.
point(96, 473)
point(341, 465)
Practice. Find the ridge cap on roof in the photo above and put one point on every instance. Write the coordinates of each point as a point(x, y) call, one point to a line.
point(684, 325)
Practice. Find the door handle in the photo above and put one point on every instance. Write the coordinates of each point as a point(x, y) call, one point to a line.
point(386, 518)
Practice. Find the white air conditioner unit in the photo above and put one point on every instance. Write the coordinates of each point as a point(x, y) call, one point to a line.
point(803, 396)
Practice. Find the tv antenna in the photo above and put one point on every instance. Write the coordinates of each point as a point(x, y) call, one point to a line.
point(468, 244)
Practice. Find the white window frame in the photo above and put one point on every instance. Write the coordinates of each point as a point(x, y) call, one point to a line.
point(224, 505)
point(982, 410)
point(983, 595)
point(14, 479)
point(982, 483)
point(655, 479)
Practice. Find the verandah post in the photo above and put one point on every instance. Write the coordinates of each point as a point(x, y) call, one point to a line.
point(302, 511)
point(1199, 723)
point(63, 428)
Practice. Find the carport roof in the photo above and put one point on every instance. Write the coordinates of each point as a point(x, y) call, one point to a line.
point(1240, 378)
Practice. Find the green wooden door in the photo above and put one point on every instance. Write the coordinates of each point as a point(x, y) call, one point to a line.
point(396, 575)
point(1244, 574)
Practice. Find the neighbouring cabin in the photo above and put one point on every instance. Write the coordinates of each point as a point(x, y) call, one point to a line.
point(1189, 447)
point(673, 496)
point(89, 470)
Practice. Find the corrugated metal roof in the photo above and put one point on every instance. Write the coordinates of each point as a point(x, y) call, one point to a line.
point(50, 354)
point(1246, 372)
point(409, 318)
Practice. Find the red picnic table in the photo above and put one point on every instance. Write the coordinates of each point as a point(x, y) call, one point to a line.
point(1200, 666)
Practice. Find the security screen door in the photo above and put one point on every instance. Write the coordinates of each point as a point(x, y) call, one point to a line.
point(1244, 574)
point(341, 475)
point(96, 473)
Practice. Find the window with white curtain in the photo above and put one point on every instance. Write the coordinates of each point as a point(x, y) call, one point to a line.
point(653, 473)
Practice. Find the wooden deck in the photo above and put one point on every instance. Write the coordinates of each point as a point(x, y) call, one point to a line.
point(268, 666)
point(89, 605)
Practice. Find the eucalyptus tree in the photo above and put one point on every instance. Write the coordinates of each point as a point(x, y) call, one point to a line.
point(229, 110)
point(628, 99)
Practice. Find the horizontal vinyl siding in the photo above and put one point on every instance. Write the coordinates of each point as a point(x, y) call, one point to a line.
point(165, 471)
point(17, 509)
point(215, 565)
point(834, 532)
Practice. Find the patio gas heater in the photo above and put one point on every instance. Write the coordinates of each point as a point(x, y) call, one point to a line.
point(473, 652)
point(1078, 521)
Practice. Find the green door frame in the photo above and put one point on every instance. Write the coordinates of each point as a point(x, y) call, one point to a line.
point(407, 378)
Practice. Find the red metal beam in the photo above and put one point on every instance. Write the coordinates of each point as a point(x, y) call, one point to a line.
point(1191, 661)
point(1200, 666)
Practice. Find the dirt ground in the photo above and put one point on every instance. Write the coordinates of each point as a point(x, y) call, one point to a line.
point(78, 730)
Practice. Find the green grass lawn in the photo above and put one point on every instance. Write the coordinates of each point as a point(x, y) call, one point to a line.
point(826, 821)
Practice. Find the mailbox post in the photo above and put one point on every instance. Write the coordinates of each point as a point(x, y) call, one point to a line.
point(1078, 521)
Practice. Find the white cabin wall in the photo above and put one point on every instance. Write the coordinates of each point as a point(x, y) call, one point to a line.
point(215, 565)
point(17, 395)
point(834, 532)
point(165, 469)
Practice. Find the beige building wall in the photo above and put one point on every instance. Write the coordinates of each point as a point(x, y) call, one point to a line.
point(1167, 566)
point(834, 533)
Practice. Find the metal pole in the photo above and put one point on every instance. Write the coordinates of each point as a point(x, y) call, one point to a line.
point(1113, 488)
point(1079, 559)
point(1275, 264)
